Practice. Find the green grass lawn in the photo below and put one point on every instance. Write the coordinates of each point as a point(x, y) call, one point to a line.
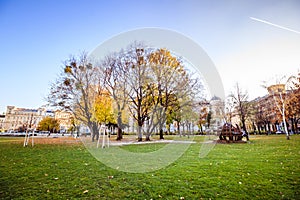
point(267, 167)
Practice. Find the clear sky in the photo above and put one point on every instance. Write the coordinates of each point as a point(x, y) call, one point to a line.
point(249, 41)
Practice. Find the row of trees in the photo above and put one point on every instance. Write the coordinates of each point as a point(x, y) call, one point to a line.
point(282, 104)
point(154, 88)
point(151, 86)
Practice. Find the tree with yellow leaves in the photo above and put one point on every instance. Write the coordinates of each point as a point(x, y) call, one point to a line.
point(170, 79)
point(103, 109)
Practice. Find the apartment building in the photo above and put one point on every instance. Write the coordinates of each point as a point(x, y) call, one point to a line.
point(65, 119)
point(2, 120)
point(22, 118)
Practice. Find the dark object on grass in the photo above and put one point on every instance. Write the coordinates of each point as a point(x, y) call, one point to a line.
point(231, 133)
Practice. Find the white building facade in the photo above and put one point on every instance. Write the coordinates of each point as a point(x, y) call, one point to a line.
point(18, 119)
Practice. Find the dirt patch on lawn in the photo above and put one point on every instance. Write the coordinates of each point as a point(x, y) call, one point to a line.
point(53, 140)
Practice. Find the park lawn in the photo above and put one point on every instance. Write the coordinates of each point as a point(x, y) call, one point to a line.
point(267, 167)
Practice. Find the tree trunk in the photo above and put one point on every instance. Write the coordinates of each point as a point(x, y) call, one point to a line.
point(189, 130)
point(201, 129)
point(254, 128)
point(285, 128)
point(296, 125)
point(269, 128)
point(244, 126)
point(94, 131)
point(265, 128)
point(161, 122)
point(140, 134)
point(93, 134)
point(161, 134)
point(147, 137)
point(119, 134)
point(293, 125)
point(178, 128)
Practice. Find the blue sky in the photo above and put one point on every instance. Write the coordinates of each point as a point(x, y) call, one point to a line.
point(36, 36)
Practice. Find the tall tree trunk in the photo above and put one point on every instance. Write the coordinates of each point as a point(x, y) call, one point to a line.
point(296, 124)
point(269, 128)
point(94, 130)
point(265, 128)
point(140, 134)
point(201, 129)
point(254, 128)
point(244, 126)
point(259, 128)
point(161, 121)
point(245, 129)
point(147, 137)
point(119, 134)
point(161, 134)
point(93, 134)
point(293, 124)
point(189, 130)
point(120, 126)
point(178, 128)
point(285, 127)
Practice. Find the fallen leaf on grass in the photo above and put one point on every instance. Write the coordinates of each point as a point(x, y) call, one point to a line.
point(85, 191)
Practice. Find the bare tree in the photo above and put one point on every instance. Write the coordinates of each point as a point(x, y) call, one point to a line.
point(75, 90)
point(115, 68)
point(240, 100)
point(229, 107)
point(139, 85)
